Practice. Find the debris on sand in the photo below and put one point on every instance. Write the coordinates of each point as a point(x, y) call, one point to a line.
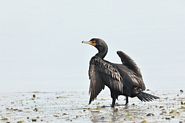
point(64, 114)
point(56, 115)
point(182, 103)
point(4, 118)
point(34, 120)
point(35, 109)
point(144, 121)
point(14, 109)
point(115, 109)
point(21, 121)
point(33, 96)
point(150, 114)
point(147, 89)
point(168, 118)
point(61, 97)
point(174, 113)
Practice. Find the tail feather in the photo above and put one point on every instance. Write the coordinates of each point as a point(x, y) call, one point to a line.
point(145, 97)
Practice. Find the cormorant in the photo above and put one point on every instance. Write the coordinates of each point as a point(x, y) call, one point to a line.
point(122, 79)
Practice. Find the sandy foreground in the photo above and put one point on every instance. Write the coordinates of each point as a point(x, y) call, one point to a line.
point(72, 106)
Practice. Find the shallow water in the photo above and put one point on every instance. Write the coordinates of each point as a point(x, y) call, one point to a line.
point(72, 106)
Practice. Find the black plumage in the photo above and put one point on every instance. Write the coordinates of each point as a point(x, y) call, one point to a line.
point(122, 79)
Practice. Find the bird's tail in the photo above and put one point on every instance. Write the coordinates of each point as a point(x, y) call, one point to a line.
point(145, 97)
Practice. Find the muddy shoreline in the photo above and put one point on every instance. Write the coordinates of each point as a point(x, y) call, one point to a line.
point(72, 106)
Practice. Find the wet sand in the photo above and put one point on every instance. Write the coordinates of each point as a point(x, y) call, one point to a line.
point(72, 106)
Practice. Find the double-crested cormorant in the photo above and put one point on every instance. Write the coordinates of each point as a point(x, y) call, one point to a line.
point(122, 79)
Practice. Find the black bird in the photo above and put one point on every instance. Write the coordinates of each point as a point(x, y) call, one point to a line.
point(122, 79)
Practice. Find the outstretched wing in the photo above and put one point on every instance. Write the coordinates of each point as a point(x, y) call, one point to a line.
point(100, 73)
point(96, 83)
point(127, 61)
point(135, 75)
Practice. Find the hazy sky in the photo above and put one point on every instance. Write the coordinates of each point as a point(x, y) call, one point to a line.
point(40, 41)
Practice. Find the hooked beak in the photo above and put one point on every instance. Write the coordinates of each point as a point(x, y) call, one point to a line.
point(89, 42)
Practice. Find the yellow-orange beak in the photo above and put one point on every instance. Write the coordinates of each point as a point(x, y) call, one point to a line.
point(93, 43)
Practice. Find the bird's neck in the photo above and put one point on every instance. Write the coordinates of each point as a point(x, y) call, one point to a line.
point(102, 52)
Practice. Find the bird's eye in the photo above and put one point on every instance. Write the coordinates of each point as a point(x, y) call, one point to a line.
point(93, 42)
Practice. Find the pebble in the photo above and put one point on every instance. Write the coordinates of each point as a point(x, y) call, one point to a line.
point(34, 120)
point(4, 118)
point(182, 103)
point(147, 89)
point(34, 96)
point(150, 114)
point(35, 109)
point(161, 106)
point(55, 115)
point(103, 106)
point(116, 109)
point(168, 118)
point(20, 121)
point(144, 121)
point(64, 114)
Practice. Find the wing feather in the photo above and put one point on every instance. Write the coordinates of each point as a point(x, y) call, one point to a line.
point(103, 73)
point(96, 84)
point(135, 74)
point(127, 61)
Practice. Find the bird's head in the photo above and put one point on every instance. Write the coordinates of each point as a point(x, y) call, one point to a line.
point(100, 45)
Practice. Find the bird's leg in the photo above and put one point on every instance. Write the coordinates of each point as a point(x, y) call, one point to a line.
point(114, 97)
point(126, 100)
point(113, 102)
